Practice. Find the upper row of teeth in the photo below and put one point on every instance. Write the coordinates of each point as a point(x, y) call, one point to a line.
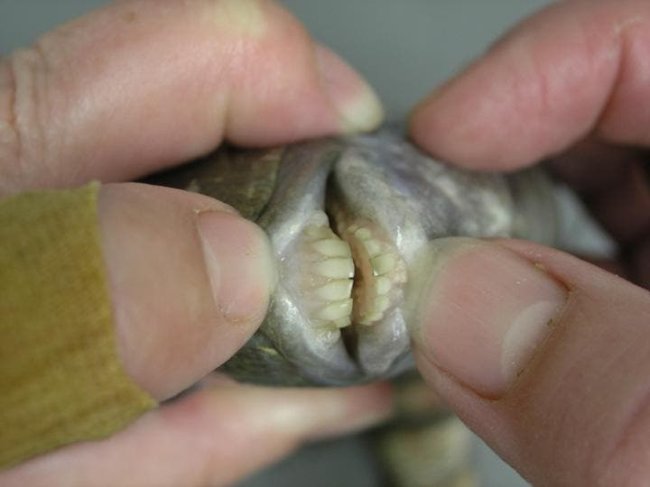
point(336, 267)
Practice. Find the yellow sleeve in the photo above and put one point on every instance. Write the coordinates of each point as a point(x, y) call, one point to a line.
point(61, 379)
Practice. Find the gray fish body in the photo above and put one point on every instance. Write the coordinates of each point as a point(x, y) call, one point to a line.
point(348, 220)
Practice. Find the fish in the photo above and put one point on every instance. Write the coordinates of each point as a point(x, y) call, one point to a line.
point(351, 222)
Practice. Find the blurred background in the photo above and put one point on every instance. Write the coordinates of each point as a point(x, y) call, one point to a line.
point(404, 48)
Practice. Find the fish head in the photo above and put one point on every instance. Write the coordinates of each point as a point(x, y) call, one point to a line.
point(350, 221)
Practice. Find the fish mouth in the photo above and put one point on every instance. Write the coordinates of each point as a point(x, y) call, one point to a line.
point(351, 222)
point(338, 311)
point(353, 275)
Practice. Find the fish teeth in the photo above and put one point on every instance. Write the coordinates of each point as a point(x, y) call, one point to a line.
point(330, 247)
point(370, 318)
point(373, 248)
point(336, 311)
point(381, 304)
point(363, 233)
point(335, 290)
point(331, 263)
point(383, 264)
point(319, 219)
point(342, 322)
point(335, 268)
point(325, 275)
point(318, 232)
point(382, 285)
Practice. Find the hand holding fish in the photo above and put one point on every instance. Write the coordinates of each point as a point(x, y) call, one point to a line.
point(543, 355)
point(123, 92)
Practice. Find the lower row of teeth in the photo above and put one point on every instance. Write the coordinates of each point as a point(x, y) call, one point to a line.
point(329, 274)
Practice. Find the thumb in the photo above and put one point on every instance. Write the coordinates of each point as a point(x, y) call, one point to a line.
point(142, 85)
point(188, 278)
point(544, 356)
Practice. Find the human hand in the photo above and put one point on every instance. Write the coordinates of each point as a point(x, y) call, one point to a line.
point(545, 356)
point(135, 88)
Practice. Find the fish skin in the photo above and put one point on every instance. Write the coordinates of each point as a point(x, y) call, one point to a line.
point(378, 177)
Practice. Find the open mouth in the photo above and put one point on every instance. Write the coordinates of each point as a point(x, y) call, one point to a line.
point(351, 274)
point(343, 269)
point(335, 222)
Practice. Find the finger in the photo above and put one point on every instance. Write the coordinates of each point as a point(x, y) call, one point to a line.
point(574, 69)
point(144, 84)
point(544, 356)
point(189, 282)
point(214, 437)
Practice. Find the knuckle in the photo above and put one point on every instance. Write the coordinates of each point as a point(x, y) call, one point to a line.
point(23, 108)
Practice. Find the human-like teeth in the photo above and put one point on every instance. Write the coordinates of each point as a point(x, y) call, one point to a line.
point(330, 247)
point(335, 268)
point(336, 310)
point(325, 276)
point(371, 318)
point(336, 290)
point(319, 232)
point(373, 247)
point(381, 303)
point(356, 278)
point(352, 228)
point(382, 284)
point(363, 234)
point(342, 322)
point(319, 220)
point(379, 272)
point(383, 264)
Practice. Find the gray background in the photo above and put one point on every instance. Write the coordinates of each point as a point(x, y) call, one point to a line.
point(404, 48)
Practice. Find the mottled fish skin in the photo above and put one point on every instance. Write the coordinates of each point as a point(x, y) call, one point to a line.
point(244, 180)
point(380, 180)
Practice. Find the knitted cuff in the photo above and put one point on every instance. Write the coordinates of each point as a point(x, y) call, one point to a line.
point(61, 380)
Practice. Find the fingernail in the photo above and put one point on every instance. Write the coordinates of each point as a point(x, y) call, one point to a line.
point(239, 264)
point(356, 102)
point(489, 310)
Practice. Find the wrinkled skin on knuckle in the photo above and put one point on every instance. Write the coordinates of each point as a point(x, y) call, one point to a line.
point(30, 135)
point(10, 134)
